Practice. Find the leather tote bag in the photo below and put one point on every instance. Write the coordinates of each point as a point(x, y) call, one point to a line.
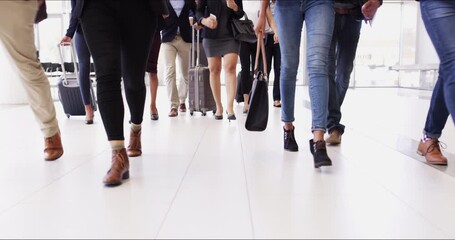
point(258, 113)
point(243, 30)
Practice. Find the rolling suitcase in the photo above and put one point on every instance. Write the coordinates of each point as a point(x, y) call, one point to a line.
point(200, 94)
point(68, 87)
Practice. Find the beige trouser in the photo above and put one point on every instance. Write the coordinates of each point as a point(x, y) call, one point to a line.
point(170, 51)
point(17, 34)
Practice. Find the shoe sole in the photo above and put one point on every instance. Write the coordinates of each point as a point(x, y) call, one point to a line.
point(291, 150)
point(432, 163)
point(323, 164)
point(125, 176)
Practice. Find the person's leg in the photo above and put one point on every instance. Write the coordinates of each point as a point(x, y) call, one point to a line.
point(17, 35)
point(83, 56)
point(152, 69)
point(245, 80)
point(230, 64)
point(276, 55)
point(348, 34)
point(137, 29)
point(319, 19)
point(169, 52)
point(346, 51)
point(183, 52)
point(103, 37)
point(439, 20)
point(215, 84)
point(289, 21)
point(436, 120)
point(334, 113)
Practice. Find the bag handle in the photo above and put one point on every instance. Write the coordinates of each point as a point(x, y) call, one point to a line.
point(260, 50)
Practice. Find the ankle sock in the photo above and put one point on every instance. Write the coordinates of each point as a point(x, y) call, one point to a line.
point(117, 145)
point(136, 127)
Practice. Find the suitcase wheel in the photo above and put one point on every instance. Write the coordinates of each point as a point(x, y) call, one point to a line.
point(68, 116)
point(204, 113)
point(191, 113)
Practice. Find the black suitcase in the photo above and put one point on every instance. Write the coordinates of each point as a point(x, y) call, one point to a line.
point(68, 87)
point(200, 94)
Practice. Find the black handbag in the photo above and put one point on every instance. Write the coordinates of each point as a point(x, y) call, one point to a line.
point(258, 112)
point(243, 30)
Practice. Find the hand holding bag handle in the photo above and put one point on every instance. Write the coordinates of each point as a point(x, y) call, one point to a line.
point(258, 113)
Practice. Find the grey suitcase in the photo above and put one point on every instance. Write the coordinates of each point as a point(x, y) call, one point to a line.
point(68, 88)
point(200, 94)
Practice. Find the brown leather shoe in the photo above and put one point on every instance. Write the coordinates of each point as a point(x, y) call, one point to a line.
point(53, 147)
point(431, 150)
point(119, 168)
point(334, 137)
point(173, 112)
point(182, 107)
point(135, 146)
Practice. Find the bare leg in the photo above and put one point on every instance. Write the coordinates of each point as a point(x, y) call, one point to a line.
point(215, 82)
point(230, 64)
point(153, 80)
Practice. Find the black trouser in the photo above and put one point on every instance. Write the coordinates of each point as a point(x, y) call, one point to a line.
point(272, 50)
point(118, 34)
point(247, 61)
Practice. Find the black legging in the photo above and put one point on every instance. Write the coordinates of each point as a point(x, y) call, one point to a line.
point(247, 61)
point(272, 50)
point(118, 34)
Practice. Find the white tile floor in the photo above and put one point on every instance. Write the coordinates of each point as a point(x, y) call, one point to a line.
point(202, 178)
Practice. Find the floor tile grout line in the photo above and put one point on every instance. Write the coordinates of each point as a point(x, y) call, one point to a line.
point(246, 181)
point(49, 184)
point(181, 183)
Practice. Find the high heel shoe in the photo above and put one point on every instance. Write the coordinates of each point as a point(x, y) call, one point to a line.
point(218, 117)
point(231, 116)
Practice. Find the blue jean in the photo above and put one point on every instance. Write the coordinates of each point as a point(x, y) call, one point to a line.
point(439, 19)
point(346, 35)
point(319, 18)
point(83, 56)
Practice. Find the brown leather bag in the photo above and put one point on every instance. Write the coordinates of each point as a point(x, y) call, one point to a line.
point(42, 13)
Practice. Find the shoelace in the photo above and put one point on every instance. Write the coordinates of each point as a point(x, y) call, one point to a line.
point(49, 140)
point(288, 134)
point(436, 145)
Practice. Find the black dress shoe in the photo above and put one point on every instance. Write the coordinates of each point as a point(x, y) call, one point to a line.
point(319, 151)
point(289, 140)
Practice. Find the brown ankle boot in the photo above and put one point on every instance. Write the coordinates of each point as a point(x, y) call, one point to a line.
point(119, 168)
point(432, 152)
point(53, 147)
point(135, 147)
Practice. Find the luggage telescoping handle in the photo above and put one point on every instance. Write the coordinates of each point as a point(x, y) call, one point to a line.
point(73, 59)
point(195, 51)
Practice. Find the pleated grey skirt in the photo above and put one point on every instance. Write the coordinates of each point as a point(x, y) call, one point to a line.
point(220, 47)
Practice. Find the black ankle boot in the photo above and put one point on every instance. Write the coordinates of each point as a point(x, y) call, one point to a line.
point(289, 140)
point(319, 152)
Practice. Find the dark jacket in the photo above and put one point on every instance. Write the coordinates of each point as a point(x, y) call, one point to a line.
point(205, 7)
point(158, 6)
point(181, 22)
